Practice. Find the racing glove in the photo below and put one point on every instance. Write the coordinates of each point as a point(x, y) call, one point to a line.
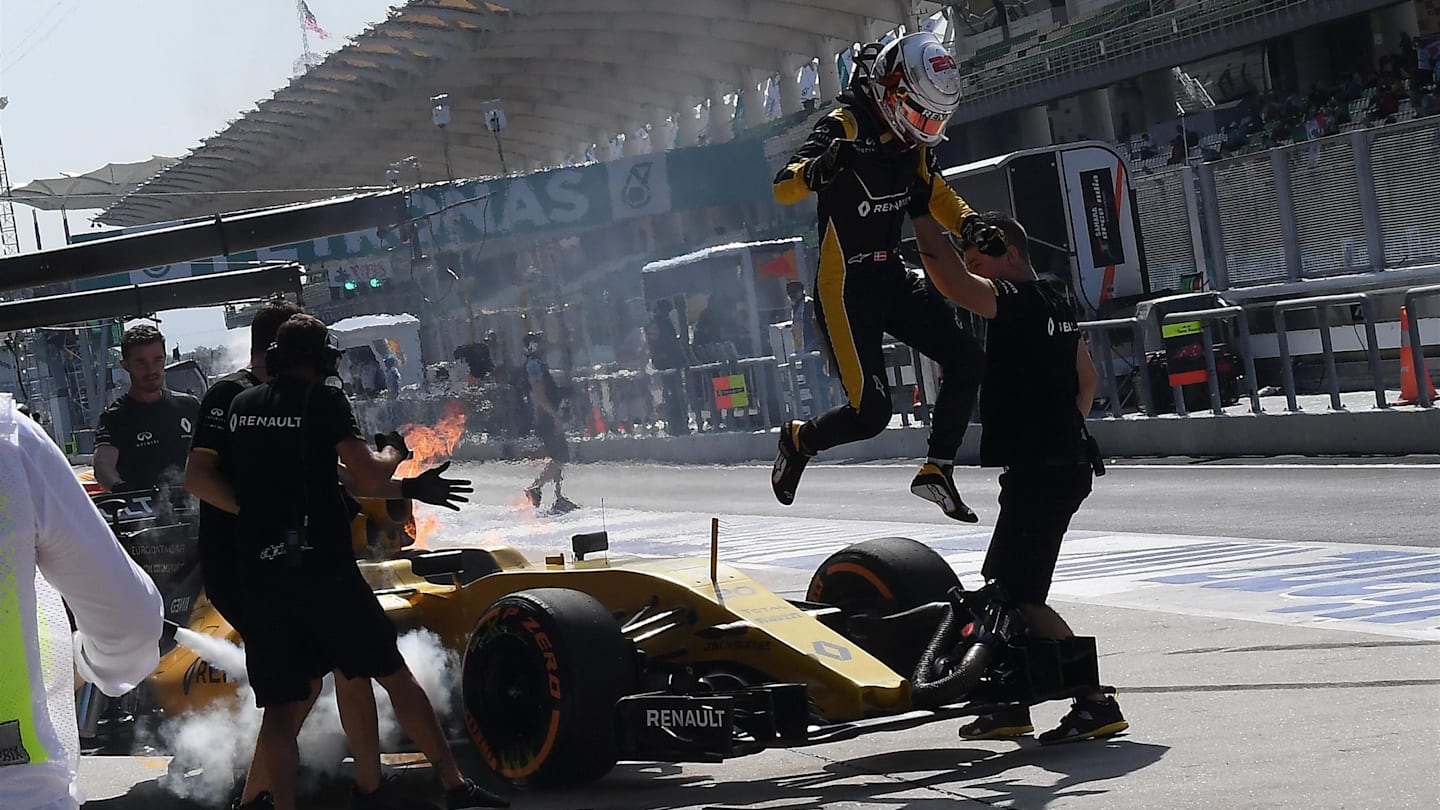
point(430, 487)
point(988, 239)
point(919, 205)
point(837, 157)
point(395, 440)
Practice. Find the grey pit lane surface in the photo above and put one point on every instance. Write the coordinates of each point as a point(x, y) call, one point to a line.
point(1224, 712)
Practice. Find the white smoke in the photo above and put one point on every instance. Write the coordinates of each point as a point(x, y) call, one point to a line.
point(211, 749)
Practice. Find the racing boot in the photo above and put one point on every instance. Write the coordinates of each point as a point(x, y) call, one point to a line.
point(1087, 720)
point(789, 463)
point(999, 725)
point(563, 505)
point(532, 494)
point(935, 482)
point(469, 795)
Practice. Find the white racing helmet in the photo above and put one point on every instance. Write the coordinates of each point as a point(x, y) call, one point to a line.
point(916, 84)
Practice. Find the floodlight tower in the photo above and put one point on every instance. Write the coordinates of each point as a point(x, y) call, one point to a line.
point(9, 237)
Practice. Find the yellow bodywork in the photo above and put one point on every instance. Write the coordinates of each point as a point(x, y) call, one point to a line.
point(762, 631)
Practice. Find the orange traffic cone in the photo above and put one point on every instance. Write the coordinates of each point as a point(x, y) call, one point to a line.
point(1411, 366)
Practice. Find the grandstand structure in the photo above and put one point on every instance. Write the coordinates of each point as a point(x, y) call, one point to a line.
point(593, 89)
point(576, 74)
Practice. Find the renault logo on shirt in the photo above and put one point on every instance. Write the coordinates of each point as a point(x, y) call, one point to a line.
point(185, 425)
point(251, 420)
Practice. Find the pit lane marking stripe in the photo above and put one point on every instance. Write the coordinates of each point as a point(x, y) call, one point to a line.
point(1388, 590)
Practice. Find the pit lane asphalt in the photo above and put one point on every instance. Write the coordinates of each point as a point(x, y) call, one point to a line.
point(1226, 711)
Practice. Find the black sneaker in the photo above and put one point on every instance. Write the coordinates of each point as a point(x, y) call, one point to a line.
point(789, 463)
point(532, 494)
point(935, 482)
point(563, 505)
point(999, 725)
point(469, 795)
point(1087, 720)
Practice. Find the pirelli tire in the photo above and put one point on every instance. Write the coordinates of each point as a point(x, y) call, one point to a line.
point(541, 676)
point(880, 577)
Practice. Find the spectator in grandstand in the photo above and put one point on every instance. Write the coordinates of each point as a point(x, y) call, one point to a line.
point(1427, 103)
point(1235, 138)
point(1387, 104)
point(1177, 146)
point(1147, 146)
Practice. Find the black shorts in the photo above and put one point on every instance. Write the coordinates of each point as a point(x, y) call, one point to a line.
point(553, 437)
point(1036, 504)
point(220, 567)
point(300, 626)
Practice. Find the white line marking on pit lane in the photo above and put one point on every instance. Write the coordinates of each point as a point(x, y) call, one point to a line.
point(1386, 590)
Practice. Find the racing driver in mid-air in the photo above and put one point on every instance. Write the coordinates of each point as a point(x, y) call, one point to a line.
point(870, 162)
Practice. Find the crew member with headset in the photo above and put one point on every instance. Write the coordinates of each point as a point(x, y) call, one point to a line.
point(220, 563)
point(1039, 386)
point(142, 437)
point(307, 608)
point(871, 163)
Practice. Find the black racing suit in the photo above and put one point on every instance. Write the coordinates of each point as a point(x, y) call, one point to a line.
point(862, 290)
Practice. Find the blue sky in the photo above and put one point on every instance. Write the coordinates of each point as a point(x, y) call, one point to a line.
point(92, 82)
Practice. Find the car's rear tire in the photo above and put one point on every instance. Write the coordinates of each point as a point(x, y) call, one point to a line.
point(542, 673)
point(879, 577)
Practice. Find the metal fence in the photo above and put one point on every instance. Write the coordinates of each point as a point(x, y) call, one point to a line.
point(1350, 203)
point(760, 393)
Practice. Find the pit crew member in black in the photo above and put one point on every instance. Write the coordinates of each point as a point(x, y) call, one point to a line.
point(869, 163)
point(216, 539)
point(1039, 384)
point(307, 608)
point(142, 437)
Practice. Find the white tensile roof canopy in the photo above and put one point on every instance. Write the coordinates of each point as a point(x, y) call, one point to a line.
point(569, 73)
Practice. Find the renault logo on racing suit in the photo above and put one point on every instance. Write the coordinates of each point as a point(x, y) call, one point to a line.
point(866, 208)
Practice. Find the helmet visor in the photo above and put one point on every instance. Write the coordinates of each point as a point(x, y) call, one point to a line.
point(924, 122)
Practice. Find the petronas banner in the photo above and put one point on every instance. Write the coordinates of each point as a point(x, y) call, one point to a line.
point(565, 198)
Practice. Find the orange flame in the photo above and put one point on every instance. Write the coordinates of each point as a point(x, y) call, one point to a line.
point(430, 446)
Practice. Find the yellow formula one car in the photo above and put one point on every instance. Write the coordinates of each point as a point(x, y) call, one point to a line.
point(575, 663)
